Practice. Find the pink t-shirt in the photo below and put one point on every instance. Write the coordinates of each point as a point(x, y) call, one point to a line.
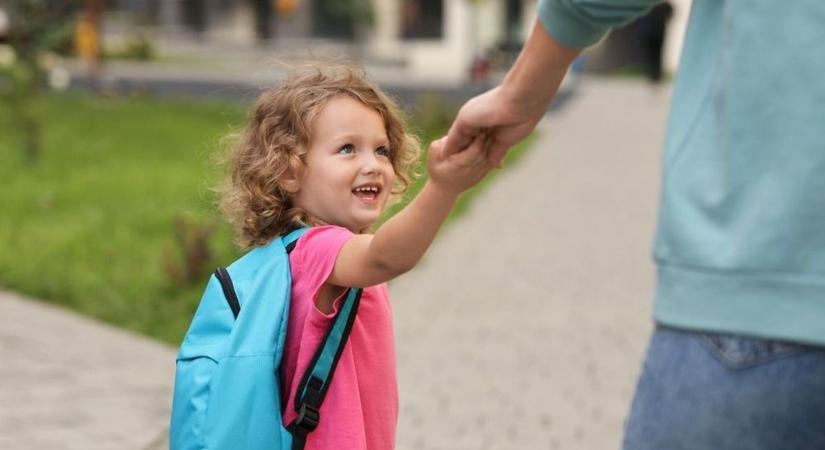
point(360, 410)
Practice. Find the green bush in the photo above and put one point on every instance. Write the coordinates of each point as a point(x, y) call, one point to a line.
point(136, 46)
point(60, 39)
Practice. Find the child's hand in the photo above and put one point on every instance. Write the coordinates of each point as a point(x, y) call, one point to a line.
point(460, 171)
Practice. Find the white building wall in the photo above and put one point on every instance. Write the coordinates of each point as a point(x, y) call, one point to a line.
point(384, 39)
point(676, 34)
point(470, 26)
point(447, 59)
point(231, 24)
point(489, 23)
point(528, 18)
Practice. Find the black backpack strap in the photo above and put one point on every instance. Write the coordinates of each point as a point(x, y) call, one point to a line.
point(228, 290)
point(291, 238)
point(317, 378)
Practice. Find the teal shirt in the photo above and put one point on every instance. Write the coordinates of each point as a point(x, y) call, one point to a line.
point(740, 246)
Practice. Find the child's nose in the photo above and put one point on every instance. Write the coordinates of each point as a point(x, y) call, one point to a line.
point(369, 162)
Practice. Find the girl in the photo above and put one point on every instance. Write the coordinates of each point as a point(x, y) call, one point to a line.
point(327, 149)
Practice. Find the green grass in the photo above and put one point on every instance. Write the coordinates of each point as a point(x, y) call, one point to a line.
point(90, 225)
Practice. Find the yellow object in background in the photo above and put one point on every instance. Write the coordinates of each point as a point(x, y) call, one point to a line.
point(286, 7)
point(86, 39)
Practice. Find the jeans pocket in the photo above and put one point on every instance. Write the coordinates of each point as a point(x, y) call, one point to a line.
point(739, 352)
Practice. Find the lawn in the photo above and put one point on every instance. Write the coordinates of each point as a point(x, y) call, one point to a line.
point(93, 224)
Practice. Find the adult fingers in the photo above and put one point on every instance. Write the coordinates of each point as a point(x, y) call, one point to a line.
point(496, 152)
point(459, 137)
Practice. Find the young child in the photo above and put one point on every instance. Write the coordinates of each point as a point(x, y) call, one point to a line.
point(327, 149)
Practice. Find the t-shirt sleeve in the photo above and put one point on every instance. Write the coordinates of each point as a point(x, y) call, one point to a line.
point(315, 253)
point(581, 23)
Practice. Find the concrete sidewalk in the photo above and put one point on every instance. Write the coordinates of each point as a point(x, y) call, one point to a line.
point(523, 328)
point(68, 382)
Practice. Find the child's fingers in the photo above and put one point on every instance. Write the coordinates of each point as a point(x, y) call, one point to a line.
point(459, 137)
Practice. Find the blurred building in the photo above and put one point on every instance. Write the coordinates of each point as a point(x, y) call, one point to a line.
point(624, 47)
point(431, 39)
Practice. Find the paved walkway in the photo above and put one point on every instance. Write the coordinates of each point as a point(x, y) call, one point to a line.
point(67, 382)
point(525, 325)
point(523, 328)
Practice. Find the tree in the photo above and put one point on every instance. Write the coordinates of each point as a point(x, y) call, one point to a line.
point(31, 33)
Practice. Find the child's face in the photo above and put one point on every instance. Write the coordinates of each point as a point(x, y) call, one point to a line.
point(349, 174)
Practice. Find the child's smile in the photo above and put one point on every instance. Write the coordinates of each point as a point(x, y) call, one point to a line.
point(349, 173)
point(368, 193)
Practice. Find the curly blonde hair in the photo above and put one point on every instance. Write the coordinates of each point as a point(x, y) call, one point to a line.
point(275, 141)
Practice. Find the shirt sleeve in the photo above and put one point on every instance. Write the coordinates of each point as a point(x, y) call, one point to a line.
point(315, 255)
point(581, 23)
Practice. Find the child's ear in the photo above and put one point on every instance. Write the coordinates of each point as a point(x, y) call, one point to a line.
point(291, 183)
point(291, 186)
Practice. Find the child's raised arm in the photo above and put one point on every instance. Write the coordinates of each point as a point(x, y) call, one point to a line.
point(367, 260)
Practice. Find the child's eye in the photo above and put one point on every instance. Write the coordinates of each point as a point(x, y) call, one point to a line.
point(346, 149)
point(383, 151)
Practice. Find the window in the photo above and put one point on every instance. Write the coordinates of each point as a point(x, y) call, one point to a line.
point(422, 19)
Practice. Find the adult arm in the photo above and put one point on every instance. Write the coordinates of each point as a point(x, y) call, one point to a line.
point(510, 111)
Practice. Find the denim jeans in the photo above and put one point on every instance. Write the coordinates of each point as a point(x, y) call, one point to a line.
point(711, 391)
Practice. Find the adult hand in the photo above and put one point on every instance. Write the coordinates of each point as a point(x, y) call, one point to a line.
point(457, 172)
point(509, 112)
point(504, 122)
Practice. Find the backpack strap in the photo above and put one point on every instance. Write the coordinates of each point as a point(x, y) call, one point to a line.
point(316, 380)
point(289, 241)
point(291, 238)
point(228, 290)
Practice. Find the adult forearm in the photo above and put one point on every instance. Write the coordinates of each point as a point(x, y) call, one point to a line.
point(538, 71)
point(402, 241)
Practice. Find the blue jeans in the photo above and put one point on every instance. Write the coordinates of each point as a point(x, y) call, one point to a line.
point(709, 391)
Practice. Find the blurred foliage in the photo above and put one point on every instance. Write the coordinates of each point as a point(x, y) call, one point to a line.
point(39, 25)
point(59, 39)
point(19, 86)
point(360, 12)
point(118, 220)
point(187, 261)
point(432, 113)
point(36, 27)
point(136, 46)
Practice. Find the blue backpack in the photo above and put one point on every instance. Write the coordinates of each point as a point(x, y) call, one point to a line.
point(227, 384)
